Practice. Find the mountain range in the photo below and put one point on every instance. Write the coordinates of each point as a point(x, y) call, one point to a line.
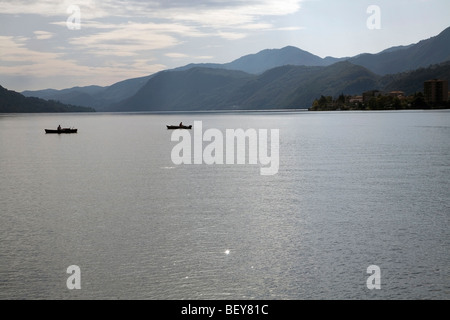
point(273, 78)
point(14, 102)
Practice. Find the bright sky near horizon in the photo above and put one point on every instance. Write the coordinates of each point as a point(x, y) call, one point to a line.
point(43, 44)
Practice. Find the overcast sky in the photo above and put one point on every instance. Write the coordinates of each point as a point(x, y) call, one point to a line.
point(42, 47)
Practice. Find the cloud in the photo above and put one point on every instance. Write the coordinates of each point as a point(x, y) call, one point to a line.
point(119, 39)
point(212, 13)
point(203, 57)
point(290, 28)
point(152, 25)
point(18, 60)
point(58, 8)
point(43, 35)
point(232, 14)
point(176, 55)
point(231, 35)
point(131, 39)
point(14, 51)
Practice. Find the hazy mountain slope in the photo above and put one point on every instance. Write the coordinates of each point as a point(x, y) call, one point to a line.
point(119, 92)
point(51, 93)
point(193, 89)
point(272, 58)
point(412, 82)
point(298, 86)
point(81, 96)
point(14, 102)
point(97, 97)
point(216, 89)
point(268, 59)
point(427, 52)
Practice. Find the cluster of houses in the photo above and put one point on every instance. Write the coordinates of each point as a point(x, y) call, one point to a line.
point(366, 96)
point(435, 91)
point(435, 95)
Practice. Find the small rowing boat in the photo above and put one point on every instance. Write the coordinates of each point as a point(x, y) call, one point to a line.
point(179, 127)
point(62, 130)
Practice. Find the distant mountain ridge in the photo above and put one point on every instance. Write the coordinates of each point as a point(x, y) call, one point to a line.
point(14, 102)
point(190, 89)
point(93, 96)
point(286, 87)
point(393, 60)
point(413, 81)
point(267, 59)
point(400, 59)
point(272, 58)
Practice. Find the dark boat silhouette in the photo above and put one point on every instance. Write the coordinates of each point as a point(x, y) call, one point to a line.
point(62, 130)
point(179, 127)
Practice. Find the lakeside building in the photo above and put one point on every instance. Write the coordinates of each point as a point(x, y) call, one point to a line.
point(436, 91)
point(437, 98)
point(397, 94)
point(370, 94)
point(356, 99)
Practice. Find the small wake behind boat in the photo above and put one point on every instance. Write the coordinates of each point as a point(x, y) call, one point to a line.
point(61, 130)
point(179, 127)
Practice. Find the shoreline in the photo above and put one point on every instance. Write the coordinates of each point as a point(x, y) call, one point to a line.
point(271, 111)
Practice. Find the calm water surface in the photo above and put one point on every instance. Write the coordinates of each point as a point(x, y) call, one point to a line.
point(353, 190)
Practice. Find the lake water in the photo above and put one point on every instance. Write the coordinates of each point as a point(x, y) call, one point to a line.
point(353, 190)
